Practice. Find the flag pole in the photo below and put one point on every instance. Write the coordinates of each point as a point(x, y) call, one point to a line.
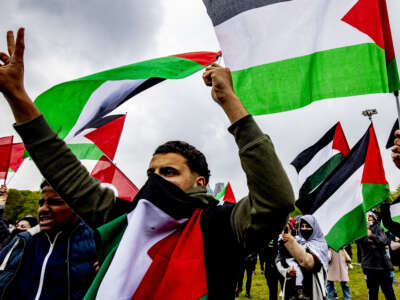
point(9, 158)
point(396, 95)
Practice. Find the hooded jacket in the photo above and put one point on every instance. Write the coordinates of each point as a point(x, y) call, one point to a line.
point(79, 256)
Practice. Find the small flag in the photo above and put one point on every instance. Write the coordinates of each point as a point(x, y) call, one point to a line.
point(287, 54)
point(226, 194)
point(390, 141)
point(17, 156)
point(72, 106)
point(316, 162)
point(357, 185)
point(5, 155)
point(106, 172)
point(395, 210)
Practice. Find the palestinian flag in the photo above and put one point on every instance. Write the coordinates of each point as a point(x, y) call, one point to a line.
point(316, 162)
point(72, 106)
point(5, 154)
point(390, 141)
point(357, 185)
point(108, 173)
point(154, 252)
point(286, 54)
point(98, 138)
point(226, 194)
point(395, 210)
point(17, 156)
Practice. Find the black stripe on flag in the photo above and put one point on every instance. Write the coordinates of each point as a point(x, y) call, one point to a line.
point(222, 10)
point(97, 123)
point(390, 141)
point(304, 157)
point(350, 164)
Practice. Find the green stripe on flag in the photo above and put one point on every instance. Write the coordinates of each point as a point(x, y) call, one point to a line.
point(373, 194)
point(86, 151)
point(347, 229)
point(320, 175)
point(296, 82)
point(393, 76)
point(221, 194)
point(204, 297)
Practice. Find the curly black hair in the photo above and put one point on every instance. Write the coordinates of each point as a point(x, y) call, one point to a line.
point(195, 159)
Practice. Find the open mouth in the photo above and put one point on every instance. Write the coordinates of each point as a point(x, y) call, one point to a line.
point(45, 220)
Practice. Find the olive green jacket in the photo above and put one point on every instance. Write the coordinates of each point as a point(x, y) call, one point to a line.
point(255, 219)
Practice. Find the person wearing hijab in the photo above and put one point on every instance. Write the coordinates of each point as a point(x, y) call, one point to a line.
point(310, 251)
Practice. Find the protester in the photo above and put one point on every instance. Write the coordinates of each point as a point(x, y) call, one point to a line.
point(248, 266)
point(53, 260)
point(177, 171)
point(21, 225)
point(375, 262)
point(338, 272)
point(311, 253)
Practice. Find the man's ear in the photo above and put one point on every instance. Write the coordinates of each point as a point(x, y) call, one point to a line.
point(200, 181)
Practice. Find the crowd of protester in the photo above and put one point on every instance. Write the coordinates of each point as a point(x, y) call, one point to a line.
point(55, 255)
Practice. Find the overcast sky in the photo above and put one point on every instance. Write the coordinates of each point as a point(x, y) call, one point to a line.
point(69, 39)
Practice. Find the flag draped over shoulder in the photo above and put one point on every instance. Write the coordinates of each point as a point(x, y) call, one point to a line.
point(226, 194)
point(285, 54)
point(73, 106)
point(154, 252)
point(316, 162)
point(5, 155)
point(358, 184)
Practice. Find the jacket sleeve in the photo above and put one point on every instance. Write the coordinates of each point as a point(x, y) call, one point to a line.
point(65, 173)
point(391, 225)
point(261, 216)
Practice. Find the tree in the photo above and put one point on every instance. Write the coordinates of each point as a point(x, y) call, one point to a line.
point(20, 204)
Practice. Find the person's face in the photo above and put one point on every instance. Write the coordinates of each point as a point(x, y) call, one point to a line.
point(174, 168)
point(53, 212)
point(305, 226)
point(23, 225)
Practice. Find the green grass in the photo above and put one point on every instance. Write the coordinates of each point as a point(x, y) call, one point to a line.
point(358, 287)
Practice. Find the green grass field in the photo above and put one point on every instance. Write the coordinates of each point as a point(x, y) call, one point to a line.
point(358, 287)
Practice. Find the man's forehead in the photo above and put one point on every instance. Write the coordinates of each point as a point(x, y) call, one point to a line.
point(49, 191)
point(162, 159)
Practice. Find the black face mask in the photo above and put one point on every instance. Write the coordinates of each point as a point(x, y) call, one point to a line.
point(306, 233)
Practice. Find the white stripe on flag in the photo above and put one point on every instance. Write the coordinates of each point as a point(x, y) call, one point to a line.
point(289, 29)
point(104, 97)
point(147, 225)
point(316, 162)
point(395, 210)
point(344, 199)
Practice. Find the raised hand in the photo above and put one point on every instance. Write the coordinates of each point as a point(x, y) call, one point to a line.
point(12, 68)
point(220, 79)
point(396, 149)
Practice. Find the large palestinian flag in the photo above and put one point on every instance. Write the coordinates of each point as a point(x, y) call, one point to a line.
point(354, 187)
point(285, 54)
point(315, 163)
point(154, 252)
point(73, 106)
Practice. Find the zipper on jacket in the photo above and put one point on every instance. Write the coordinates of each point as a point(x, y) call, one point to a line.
point(43, 270)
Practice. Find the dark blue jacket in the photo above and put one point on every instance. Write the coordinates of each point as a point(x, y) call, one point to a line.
point(79, 255)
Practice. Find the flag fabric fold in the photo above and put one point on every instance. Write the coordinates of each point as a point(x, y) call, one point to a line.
point(85, 100)
point(357, 185)
point(6, 144)
point(315, 163)
point(160, 241)
point(283, 56)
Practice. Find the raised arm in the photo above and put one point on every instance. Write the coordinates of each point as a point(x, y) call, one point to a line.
point(56, 162)
point(262, 215)
point(303, 258)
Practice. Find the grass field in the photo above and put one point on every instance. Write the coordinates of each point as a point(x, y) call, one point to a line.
point(358, 287)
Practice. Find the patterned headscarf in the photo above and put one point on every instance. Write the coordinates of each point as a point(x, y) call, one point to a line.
point(316, 243)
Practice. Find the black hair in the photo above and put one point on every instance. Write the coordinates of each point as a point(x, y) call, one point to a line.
point(31, 220)
point(195, 159)
point(44, 184)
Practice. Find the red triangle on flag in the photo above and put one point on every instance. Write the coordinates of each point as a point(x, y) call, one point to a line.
point(5, 154)
point(17, 156)
point(340, 141)
point(107, 136)
point(106, 172)
point(229, 196)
